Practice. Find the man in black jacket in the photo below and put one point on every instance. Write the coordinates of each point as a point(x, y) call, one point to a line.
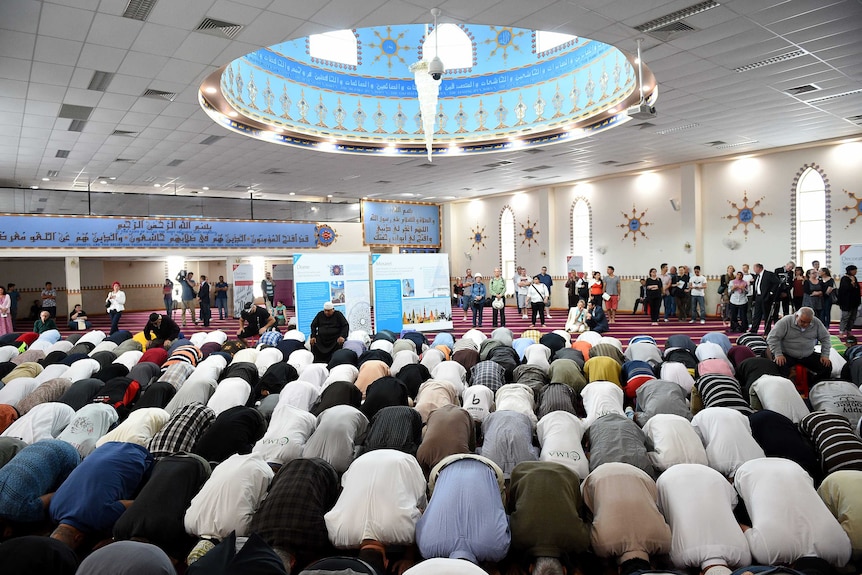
point(162, 327)
point(204, 298)
point(766, 286)
point(848, 300)
point(785, 293)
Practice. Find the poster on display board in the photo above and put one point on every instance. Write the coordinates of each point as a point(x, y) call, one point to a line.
point(282, 275)
point(243, 287)
point(411, 291)
point(851, 254)
point(341, 278)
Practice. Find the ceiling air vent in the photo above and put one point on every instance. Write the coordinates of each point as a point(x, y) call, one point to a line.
point(124, 133)
point(609, 163)
point(673, 17)
point(533, 151)
point(175, 163)
point(74, 112)
point(219, 28)
point(671, 31)
point(159, 94)
point(832, 97)
point(536, 168)
point(125, 160)
point(773, 60)
point(53, 173)
point(736, 145)
point(274, 172)
point(62, 154)
point(139, 9)
point(77, 125)
point(209, 140)
point(100, 80)
point(715, 143)
point(855, 119)
point(802, 89)
point(383, 182)
point(677, 129)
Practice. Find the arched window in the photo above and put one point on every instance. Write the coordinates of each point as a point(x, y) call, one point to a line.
point(582, 244)
point(338, 46)
point(811, 219)
point(549, 40)
point(507, 247)
point(455, 50)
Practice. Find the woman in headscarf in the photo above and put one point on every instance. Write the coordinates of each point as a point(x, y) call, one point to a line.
point(338, 393)
point(384, 392)
point(369, 372)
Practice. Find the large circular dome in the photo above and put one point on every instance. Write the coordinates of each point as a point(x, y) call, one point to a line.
point(354, 92)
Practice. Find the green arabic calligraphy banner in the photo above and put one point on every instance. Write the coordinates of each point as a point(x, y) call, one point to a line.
point(105, 232)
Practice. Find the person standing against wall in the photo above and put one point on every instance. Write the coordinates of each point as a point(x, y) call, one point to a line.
point(187, 284)
point(267, 286)
point(497, 289)
point(168, 296)
point(14, 297)
point(612, 288)
point(115, 303)
point(204, 298)
point(221, 297)
point(49, 299)
point(546, 279)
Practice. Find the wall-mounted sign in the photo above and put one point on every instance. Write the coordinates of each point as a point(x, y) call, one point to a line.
point(405, 224)
point(28, 232)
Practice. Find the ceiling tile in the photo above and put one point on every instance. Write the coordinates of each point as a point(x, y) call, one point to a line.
point(20, 15)
point(44, 109)
point(64, 22)
point(57, 51)
point(14, 44)
point(114, 31)
point(14, 69)
point(46, 92)
point(158, 39)
point(102, 58)
point(51, 73)
point(141, 64)
point(201, 48)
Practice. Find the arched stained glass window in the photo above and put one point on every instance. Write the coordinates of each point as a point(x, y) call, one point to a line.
point(507, 248)
point(811, 219)
point(582, 244)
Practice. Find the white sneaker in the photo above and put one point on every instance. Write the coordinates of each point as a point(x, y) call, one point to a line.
point(524, 316)
point(703, 321)
point(547, 315)
point(691, 321)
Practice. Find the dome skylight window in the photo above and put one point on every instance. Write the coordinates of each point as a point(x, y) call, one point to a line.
point(549, 40)
point(338, 47)
point(456, 49)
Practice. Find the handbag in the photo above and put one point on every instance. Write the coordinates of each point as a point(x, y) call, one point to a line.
point(722, 288)
point(833, 295)
point(107, 305)
point(606, 296)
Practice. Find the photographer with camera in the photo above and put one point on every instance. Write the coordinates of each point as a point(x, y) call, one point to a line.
point(187, 284)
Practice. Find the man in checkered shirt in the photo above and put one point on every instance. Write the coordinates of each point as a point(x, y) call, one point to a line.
point(488, 373)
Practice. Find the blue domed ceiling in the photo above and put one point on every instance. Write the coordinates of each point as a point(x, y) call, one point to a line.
point(509, 95)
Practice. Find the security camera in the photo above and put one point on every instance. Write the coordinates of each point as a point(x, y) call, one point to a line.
point(435, 68)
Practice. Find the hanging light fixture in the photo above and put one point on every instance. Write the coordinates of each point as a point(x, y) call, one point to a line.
point(427, 77)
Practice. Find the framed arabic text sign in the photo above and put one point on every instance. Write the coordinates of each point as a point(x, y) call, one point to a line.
point(23, 231)
point(404, 224)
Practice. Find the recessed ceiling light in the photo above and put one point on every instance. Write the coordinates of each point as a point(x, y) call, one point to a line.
point(157, 185)
point(113, 178)
point(34, 187)
point(46, 179)
point(103, 181)
point(232, 114)
point(292, 194)
point(210, 90)
point(328, 195)
point(205, 188)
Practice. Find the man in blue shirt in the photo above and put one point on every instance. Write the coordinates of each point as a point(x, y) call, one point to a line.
point(548, 281)
point(465, 518)
point(187, 284)
point(477, 299)
point(221, 297)
point(98, 491)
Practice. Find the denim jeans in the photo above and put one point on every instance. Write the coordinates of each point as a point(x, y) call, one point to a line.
point(669, 306)
point(698, 302)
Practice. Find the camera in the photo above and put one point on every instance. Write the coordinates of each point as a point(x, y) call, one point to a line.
point(435, 68)
point(182, 275)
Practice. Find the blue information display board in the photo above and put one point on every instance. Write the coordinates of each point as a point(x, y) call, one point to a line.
point(106, 232)
point(406, 224)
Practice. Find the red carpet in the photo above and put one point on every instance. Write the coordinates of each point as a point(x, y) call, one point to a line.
point(625, 327)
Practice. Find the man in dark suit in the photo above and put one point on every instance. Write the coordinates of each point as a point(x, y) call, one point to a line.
point(785, 290)
point(766, 286)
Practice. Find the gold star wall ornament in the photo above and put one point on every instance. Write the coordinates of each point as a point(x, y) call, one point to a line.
point(503, 40)
point(634, 225)
point(478, 237)
point(389, 47)
point(745, 215)
point(856, 208)
point(528, 234)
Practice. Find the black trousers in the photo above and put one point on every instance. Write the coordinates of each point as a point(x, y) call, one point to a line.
point(812, 362)
point(762, 312)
